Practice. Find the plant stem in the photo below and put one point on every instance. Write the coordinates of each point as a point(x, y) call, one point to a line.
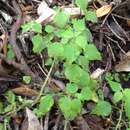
point(120, 117)
point(65, 125)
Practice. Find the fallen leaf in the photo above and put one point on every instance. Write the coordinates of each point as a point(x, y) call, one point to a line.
point(73, 11)
point(56, 85)
point(31, 122)
point(44, 12)
point(104, 10)
point(24, 90)
point(3, 45)
point(124, 64)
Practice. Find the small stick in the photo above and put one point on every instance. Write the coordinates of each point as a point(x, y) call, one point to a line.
point(44, 84)
point(46, 121)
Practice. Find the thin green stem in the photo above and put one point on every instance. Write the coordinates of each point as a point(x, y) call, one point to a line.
point(65, 124)
point(120, 117)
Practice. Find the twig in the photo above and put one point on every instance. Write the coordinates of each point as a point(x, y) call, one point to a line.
point(113, 56)
point(57, 123)
point(116, 43)
point(46, 121)
point(121, 17)
point(44, 84)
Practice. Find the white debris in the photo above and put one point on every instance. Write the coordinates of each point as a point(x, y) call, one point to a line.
point(97, 73)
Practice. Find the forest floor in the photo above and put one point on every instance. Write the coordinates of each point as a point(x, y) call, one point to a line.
point(64, 71)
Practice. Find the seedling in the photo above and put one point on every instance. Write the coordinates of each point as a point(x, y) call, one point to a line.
point(69, 41)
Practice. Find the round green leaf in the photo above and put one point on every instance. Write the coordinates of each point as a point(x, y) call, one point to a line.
point(55, 50)
point(127, 102)
point(71, 88)
point(85, 94)
point(117, 96)
point(102, 108)
point(92, 53)
point(91, 16)
point(73, 73)
point(37, 41)
point(82, 4)
point(49, 28)
point(45, 105)
point(115, 86)
point(61, 19)
point(27, 79)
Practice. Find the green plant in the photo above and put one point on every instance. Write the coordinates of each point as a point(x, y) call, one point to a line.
point(10, 53)
point(27, 79)
point(120, 94)
point(69, 42)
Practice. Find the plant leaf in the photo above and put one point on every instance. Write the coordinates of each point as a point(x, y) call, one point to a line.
point(70, 53)
point(49, 28)
point(91, 16)
point(127, 102)
point(92, 53)
point(10, 53)
point(27, 79)
point(33, 25)
point(76, 106)
point(67, 33)
point(81, 41)
point(82, 4)
point(45, 105)
point(102, 108)
point(61, 19)
point(79, 25)
point(55, 50)
point(66, 110)
point(37, 41)
point(37, 27)
point(115, 86)
point(117, 96)
point(85, 94)
point(71, 88)
point(82, 60)
point(73, 107)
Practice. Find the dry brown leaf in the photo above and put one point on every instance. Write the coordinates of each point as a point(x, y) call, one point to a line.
point(56, 85)
point(104, 10)
point(31, 122)
point(24, 90)
point(124, 64)
point(4, 38)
